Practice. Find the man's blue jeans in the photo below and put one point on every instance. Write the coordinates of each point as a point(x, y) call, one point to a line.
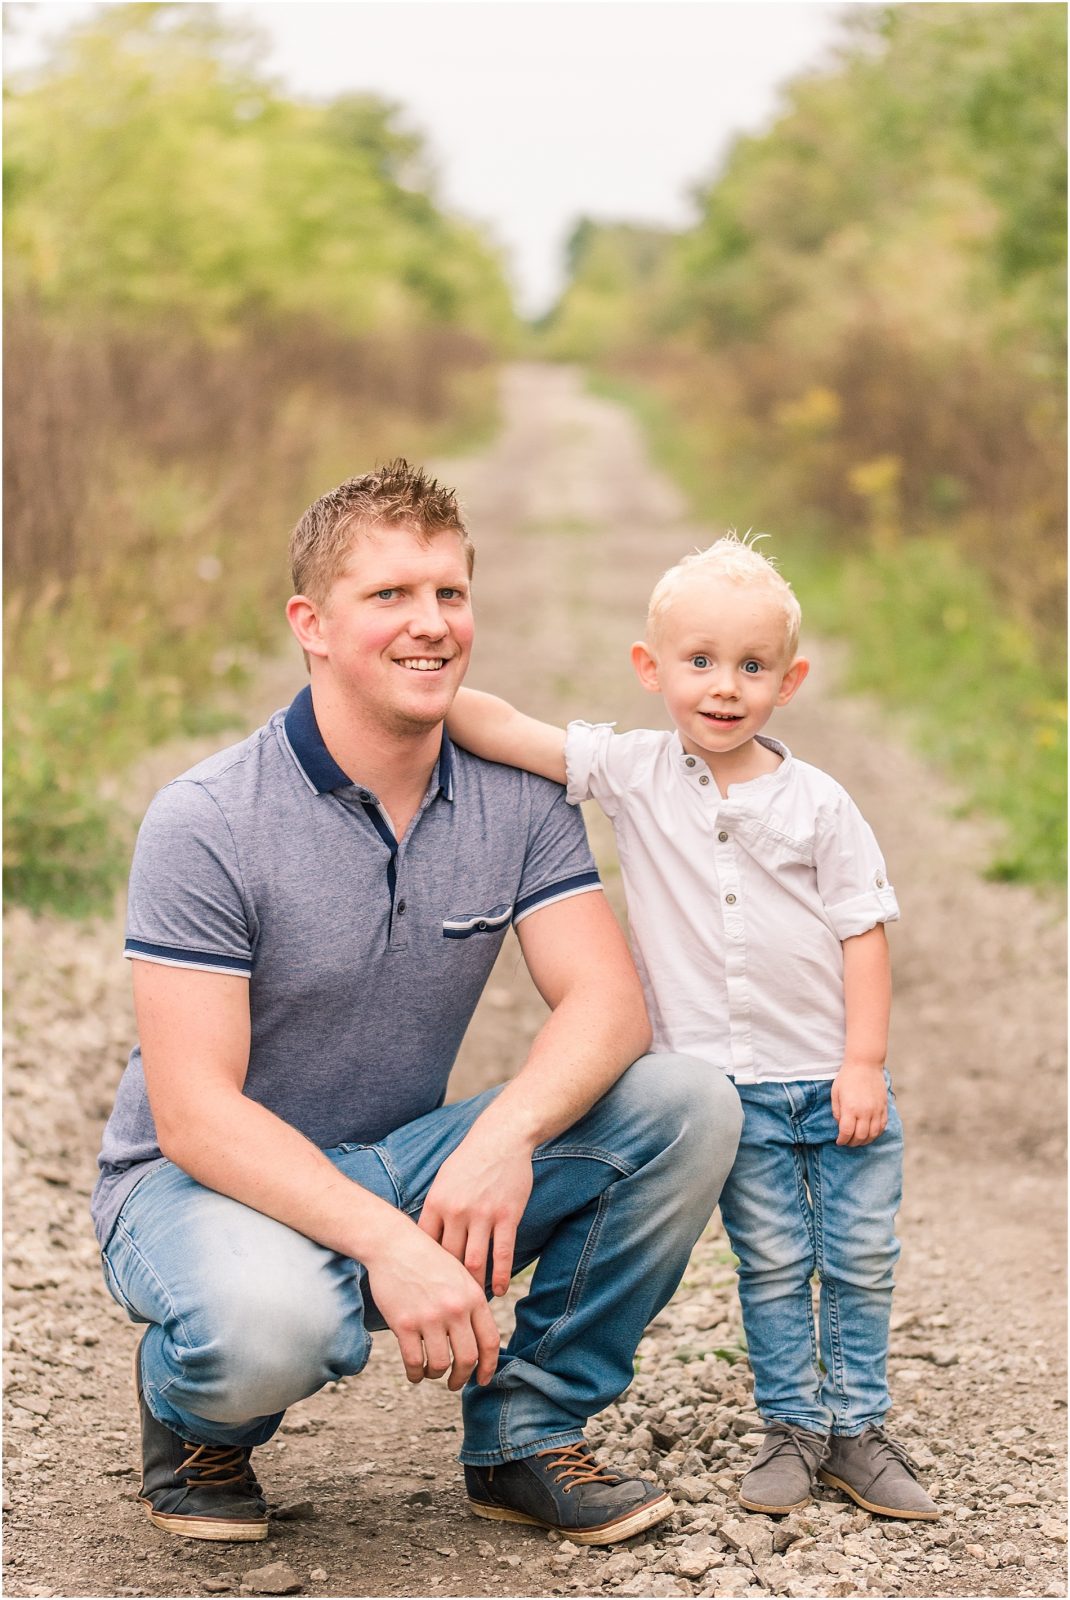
point(797, 1204)
point(246, 1316)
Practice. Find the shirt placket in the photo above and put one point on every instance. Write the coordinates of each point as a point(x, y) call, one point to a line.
point(733, 918)
point(722, 816)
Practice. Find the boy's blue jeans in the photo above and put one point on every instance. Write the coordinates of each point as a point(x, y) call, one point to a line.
point(796, 1204)
point(246, 1316)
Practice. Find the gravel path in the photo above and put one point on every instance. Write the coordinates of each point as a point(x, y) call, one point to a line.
point(572, 527)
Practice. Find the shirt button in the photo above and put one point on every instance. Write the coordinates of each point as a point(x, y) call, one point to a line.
point(880, 883)
point(481, 927)
point(723, 837)
point(704, 779)
point(365, 796)
point(401, 908)
point(690, 762)
point(730, 899)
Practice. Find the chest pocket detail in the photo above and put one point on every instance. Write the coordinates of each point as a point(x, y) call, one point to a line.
point(467, 923)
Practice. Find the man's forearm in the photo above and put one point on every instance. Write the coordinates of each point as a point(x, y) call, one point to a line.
point(581, 1050)
point(242, 1150)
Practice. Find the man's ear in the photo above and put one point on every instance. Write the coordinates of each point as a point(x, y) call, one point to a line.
point(646, 667)
point(303, 616)
point(792, 679)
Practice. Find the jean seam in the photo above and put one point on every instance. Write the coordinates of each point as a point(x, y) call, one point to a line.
point(806, 1212)
point(830, 1305)
point(586, 1153)
point(579, 1277)
point(164, 1294)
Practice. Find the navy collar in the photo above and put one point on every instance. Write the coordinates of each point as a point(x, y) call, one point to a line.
point(319, 768)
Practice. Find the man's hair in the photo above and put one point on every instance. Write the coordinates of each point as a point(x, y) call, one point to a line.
point(393, 496)
point(737, 561)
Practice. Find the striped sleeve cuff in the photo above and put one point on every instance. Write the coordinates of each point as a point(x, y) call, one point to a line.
point(167, 955)
point(563, 889)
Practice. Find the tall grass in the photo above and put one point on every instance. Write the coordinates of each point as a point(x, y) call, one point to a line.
point(929, 631)
point(149, 485)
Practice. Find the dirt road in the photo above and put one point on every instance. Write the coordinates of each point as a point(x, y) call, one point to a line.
point(572, 527)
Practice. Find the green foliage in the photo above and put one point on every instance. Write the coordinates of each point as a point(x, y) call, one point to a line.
point(218, 302)
point(616, 271)
point(152, 168)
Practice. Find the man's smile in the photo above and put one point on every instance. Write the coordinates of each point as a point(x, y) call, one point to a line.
point(422, 663)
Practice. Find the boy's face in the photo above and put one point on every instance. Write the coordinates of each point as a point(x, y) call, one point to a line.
point(721, 662)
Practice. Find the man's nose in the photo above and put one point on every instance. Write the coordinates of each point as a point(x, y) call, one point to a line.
point(428, 620)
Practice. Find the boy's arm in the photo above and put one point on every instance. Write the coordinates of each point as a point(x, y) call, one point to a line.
point(859, 1093)
point(497, 731)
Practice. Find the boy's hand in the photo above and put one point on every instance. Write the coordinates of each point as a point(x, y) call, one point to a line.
point(859, 1103)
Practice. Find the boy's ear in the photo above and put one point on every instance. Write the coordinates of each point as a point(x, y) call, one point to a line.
point(792, 679)
point(303, 617)
point(646, 667)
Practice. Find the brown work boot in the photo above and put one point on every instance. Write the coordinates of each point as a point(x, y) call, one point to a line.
point(783, 1475)
point(878, 1475)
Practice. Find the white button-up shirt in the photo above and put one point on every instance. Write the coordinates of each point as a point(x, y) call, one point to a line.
point(738, 904)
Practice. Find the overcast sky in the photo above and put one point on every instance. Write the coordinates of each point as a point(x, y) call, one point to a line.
point(540, 111)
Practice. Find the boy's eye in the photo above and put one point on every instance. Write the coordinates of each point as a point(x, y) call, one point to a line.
point(752, 667)
point(701, 662)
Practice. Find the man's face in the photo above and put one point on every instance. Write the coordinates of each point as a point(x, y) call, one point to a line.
point(397, 626)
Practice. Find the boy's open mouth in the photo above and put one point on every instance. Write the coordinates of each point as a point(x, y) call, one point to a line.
point(722, 716)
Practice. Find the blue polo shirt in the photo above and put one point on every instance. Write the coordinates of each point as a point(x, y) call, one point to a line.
point(365, 955)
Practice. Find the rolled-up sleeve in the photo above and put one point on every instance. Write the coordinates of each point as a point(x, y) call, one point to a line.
point(852, 878)
point(590, 769)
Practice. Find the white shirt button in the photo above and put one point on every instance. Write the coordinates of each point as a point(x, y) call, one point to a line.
point(704, 779)
point(690, 762)
point(730, 899)
point(723, 836)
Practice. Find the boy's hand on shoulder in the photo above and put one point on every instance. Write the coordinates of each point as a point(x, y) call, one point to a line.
point(860, 1102)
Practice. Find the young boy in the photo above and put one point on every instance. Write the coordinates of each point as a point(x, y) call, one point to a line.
point(757, 898)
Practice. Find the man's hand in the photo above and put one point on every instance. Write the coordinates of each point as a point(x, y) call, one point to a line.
point(859, 1103)
point(475, 1204)
point(438, 1316)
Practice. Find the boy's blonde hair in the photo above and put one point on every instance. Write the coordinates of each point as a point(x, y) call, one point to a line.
point(737, 561)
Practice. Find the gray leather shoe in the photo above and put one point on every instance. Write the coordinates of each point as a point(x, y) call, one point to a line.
point(568, 1490)
point(783, 1475)
point(878, 1474)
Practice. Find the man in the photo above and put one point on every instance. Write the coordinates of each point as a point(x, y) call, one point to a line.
point(313, 914)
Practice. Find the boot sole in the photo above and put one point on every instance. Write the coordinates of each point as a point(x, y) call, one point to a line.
point(625, 1527)
point(773, 1511)
point(194, 1527)
point(203, 1528)
point(871, 1505)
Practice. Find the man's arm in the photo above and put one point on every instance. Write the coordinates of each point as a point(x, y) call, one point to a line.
point(194, 1032)
point(859, 1093)
point(598, 1025)
point(492, 728)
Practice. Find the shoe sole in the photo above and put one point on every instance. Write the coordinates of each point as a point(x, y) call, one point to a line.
point(871, 1505)
point(625, 1527)
point(773, 1511)
point(202, 1528)
point(194, 1527)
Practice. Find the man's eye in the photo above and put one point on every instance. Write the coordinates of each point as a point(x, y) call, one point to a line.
point(701, 662)
point(451, 594)
point(752, 667)
point(385, 594)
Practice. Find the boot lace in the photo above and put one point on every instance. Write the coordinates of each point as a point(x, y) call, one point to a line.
point(216, 1466)
point(574, 1464)
point(897, 1451)
point(781, 1436)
